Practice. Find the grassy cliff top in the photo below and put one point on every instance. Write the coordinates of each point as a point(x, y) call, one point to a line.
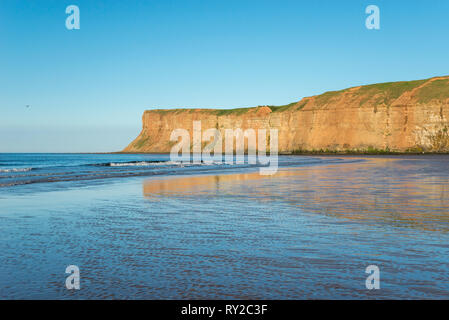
point(388, 93)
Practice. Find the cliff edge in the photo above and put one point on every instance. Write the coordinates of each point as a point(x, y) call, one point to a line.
point(406, 116)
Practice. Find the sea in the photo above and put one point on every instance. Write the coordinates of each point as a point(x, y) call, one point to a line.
point(140, 226)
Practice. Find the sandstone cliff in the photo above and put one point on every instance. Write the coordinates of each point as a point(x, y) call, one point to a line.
point(411, 116)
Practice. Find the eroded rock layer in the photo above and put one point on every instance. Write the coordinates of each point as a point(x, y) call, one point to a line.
point(411, 116)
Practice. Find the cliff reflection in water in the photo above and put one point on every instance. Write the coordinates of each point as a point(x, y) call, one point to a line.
point(401, 191)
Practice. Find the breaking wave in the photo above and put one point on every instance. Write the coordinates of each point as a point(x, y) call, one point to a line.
point(154, 163)
point(16, 170)
point(137, 163)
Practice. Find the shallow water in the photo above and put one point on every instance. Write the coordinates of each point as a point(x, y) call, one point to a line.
point(160, 230)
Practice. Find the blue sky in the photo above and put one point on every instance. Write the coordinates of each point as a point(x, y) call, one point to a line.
point(88, 88)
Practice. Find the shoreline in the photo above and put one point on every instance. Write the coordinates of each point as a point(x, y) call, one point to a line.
point(321, 153)
point(293, 153)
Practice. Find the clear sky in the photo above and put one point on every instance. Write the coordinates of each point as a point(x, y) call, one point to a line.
point(87, 88)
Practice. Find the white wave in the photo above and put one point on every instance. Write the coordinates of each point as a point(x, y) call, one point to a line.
point(16, 170)
point(163, 163)
point(142, 164)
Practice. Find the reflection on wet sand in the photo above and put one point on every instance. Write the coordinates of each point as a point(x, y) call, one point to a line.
point(202, 183)
point(397, 191)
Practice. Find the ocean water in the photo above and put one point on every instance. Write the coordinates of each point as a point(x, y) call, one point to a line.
point(144, 227)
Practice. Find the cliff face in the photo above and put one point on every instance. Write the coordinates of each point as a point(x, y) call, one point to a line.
point(408, 116)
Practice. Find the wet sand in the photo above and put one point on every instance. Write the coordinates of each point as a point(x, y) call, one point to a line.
point(307, 232)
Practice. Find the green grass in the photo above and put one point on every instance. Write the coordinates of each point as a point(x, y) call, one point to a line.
point(302, 105)
point(326, 97)
point(141, 142)
point(374, 94)
point(386, 92)
point(162, 111)
point(281, 108)
point(437, 89)
point(237, 111)
point(224, 112)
